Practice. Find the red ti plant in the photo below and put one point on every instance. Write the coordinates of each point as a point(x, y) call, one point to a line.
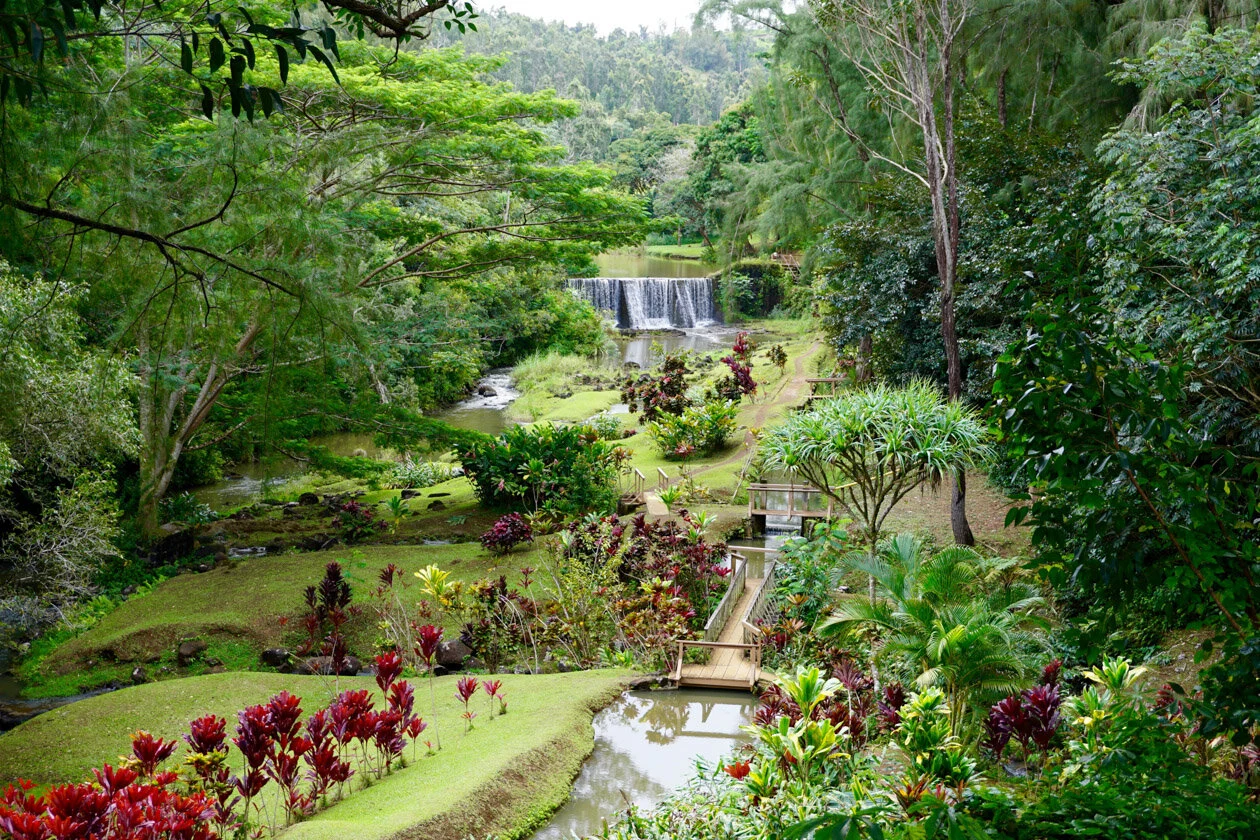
point(287, 745)
point(122, 805)
point(428, 640)
point(493, 689)
point(1032, 718)
point(889, 707)
point(389, 667)
point(323, 759)
point(208, 760)
point(465, 689)
point(147, 752)
point(253, 740)
point(738, 769)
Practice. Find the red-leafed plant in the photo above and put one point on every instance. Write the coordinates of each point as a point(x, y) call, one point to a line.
point(738, 769)
point(663, 394)
point(148, 752)
point(494, 691)
point(357, 522)
point(428, 640)
point(740, 382)
point(1031, 718)
point(324, 761)
point(465, 689)
point(207, 759)
point(128, 802)
point(507, 533)
point(889, 706)
point(253, 740)
point(286, 747)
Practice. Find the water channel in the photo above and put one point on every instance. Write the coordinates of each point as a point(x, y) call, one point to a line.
point(646, 745)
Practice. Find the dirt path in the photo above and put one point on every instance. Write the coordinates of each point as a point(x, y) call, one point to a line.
point(790, 392)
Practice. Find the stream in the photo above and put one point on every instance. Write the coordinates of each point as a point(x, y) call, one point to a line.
point(646, 746)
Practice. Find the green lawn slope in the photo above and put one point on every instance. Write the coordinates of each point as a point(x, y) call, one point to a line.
point(238, 610)
point(504, 777)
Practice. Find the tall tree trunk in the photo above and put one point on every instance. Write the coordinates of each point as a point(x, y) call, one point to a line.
point(940, 155)
point(866, 348)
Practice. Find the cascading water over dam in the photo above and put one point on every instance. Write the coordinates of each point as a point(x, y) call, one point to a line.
point(651, 303)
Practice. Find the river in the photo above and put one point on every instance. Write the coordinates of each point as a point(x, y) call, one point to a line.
point(646, 746)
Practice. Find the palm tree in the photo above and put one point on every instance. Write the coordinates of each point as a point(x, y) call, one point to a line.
point(946, 622)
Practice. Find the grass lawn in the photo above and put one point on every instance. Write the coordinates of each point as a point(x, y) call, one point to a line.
point(687, 251)
point(237, 610)
point(505, 777)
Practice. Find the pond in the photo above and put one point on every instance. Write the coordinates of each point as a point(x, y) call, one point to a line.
point(646, 745)
point(635, 264)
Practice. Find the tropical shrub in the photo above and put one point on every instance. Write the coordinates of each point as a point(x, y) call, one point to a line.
point(356, 522)
point(559, 468)
point(740, 382)
point(414, 475)
point(945, 623)
point(509, 531)
point(807, 571)
point(664, 393)
point(187, 509)
point(606, 426)
point(702, 429)
point(327, 606)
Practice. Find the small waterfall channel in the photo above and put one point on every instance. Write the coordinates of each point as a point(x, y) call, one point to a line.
point(651, 303)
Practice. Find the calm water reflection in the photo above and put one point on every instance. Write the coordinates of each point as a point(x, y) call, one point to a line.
point(646, 745)
point(629, 264)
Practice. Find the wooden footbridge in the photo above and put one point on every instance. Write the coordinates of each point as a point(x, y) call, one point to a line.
point(731, 646)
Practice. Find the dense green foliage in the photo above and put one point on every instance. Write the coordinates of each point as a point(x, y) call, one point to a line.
point(563, 469)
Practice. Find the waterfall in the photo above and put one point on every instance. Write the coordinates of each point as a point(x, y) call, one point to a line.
point(651, 303)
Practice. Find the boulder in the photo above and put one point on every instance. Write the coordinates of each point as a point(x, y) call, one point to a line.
point(323, 666)
point(188, 651)
point(487, 391)
point(452, 655)
point(437, 505)
point(275, 657)
point(175, 544)
point(409, 494)
point(138, 675)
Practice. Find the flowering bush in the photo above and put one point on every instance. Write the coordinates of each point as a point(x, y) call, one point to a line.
point(356, 522)
point(740, 382)
point(506, 534)
point(665, 394)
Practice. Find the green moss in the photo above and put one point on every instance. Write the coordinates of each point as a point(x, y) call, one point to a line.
point(504, 777)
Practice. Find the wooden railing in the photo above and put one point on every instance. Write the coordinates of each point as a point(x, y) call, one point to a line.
point(753, 652)
point(640, 482)
point(734, 591)
point(759, 501)
point(833, 383)
point(759, 606)
point(662, 479)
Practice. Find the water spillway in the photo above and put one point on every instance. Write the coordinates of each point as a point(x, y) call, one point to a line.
point(651, 303)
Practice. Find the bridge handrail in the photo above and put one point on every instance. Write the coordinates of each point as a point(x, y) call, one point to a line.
point(759, 604)
point(754, 655)
point(734, 590)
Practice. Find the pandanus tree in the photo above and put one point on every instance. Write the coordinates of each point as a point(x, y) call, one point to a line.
point(954, 619)
point(868, 449)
